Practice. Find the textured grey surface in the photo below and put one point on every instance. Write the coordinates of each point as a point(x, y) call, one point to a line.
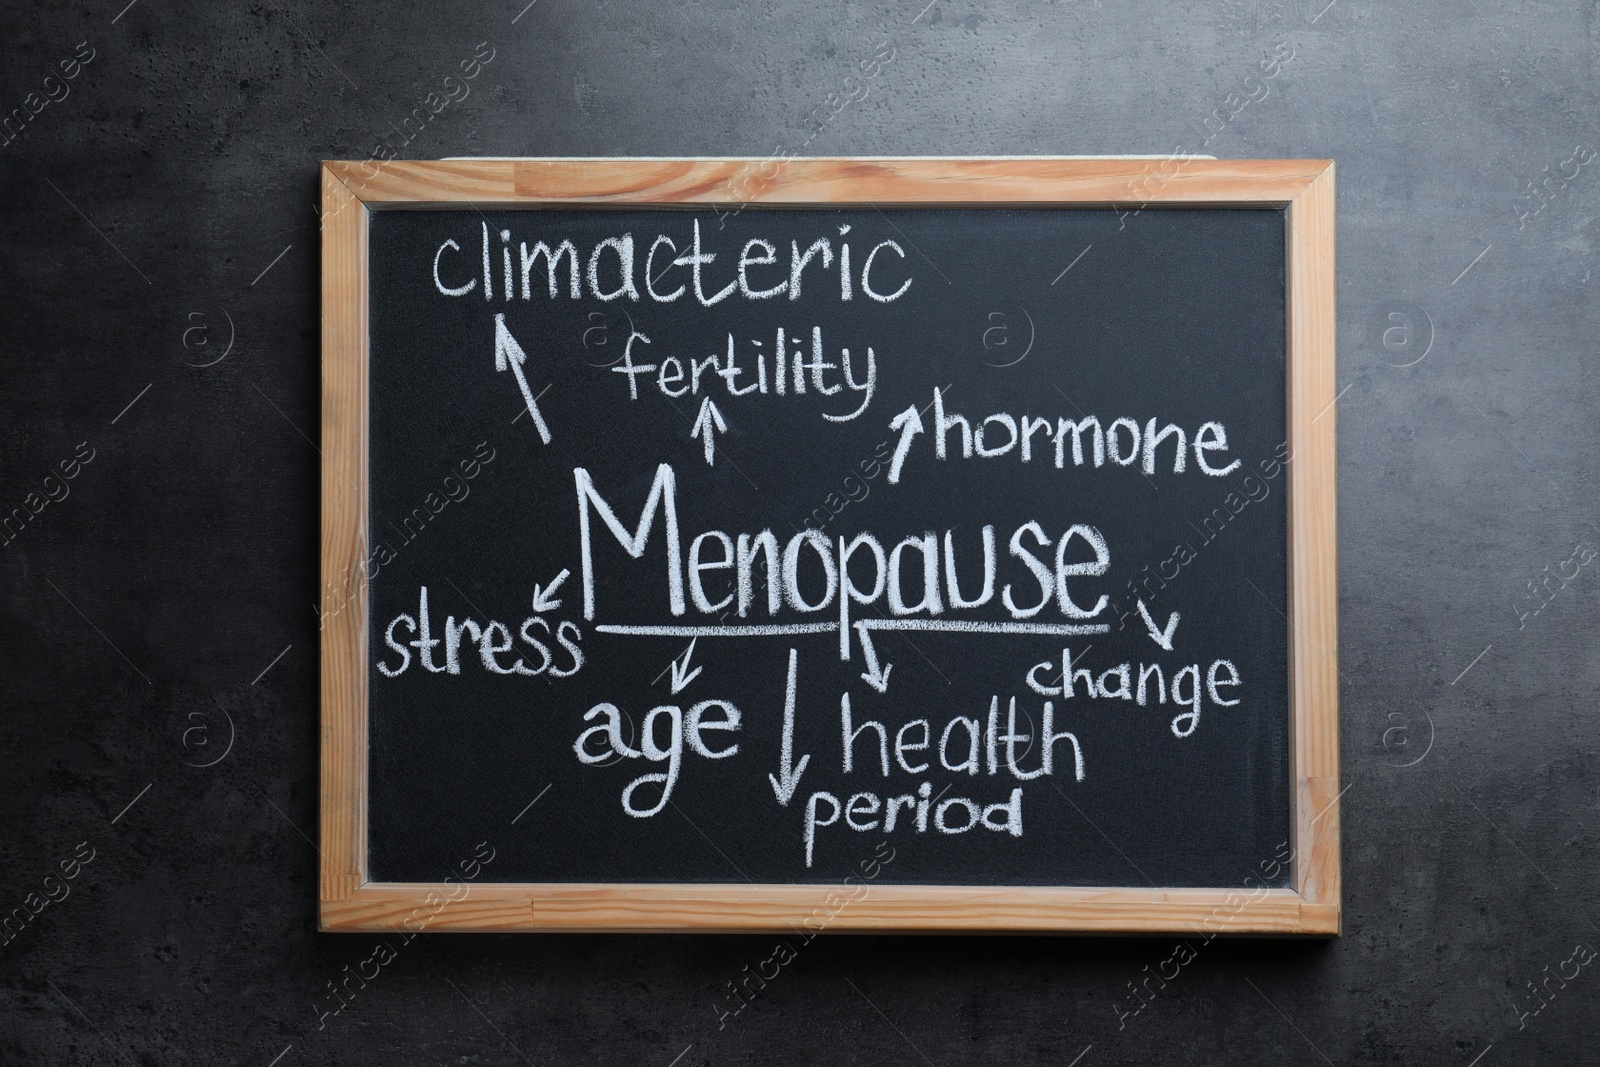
point(142, 611)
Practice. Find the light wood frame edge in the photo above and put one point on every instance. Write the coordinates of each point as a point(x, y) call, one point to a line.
point(342, 614)
point(1313, 542)
point(349, 902)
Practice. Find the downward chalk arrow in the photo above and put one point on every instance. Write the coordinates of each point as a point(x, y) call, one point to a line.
point(1160, 637)
point(707, 424)
point(909, 423)
point(879, 680)
point(681, 680)
point(544, 597)
point(508, 352)
point(787, 779)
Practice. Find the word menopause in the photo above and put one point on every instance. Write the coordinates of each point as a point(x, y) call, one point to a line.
point(812, 573)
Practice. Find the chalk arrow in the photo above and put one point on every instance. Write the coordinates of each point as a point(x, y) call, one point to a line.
point(879, 680)
point(508, 352)
point(544, 597)
point(707, 424)
point(787, 779)
point(681, 680)
point(909, 423)
point(1160, 637)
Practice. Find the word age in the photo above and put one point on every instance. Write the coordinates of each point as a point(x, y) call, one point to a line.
point(681, 730)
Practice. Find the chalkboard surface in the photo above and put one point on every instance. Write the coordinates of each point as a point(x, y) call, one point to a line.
point(1023, 462)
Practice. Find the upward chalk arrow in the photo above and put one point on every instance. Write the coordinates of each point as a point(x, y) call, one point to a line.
point(508, 352)
point(708, 424)
point(909, 423)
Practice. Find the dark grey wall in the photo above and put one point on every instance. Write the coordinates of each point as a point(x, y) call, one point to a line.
point(166, 205)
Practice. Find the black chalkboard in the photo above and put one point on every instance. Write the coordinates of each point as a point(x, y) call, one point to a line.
point(1025, 324)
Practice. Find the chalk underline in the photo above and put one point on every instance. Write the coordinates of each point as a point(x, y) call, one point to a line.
point(1049, 629)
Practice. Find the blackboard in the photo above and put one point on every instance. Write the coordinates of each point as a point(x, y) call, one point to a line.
point(747, 543)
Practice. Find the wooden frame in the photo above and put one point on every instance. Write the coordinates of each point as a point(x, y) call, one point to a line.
point(349, 901)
